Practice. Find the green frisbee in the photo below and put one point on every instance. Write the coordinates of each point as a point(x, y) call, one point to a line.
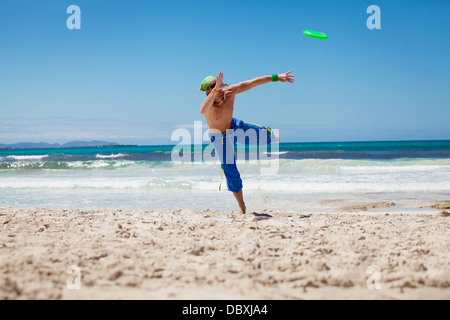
point(315, 34)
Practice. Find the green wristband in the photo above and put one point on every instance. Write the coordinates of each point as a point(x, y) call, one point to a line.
point(274, 78)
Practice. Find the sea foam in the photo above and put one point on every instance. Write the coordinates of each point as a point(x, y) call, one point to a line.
point(111, 156)
point(27, 157)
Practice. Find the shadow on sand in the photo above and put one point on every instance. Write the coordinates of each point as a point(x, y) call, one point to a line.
point(264, 216)
point(261, 216)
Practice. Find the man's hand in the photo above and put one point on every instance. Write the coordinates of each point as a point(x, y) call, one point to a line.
point(220, 86)
point(219, 82)
point(286, 77)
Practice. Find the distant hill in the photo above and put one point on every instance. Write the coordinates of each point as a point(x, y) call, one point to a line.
point(71, 144)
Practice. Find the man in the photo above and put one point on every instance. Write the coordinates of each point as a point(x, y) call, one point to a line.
point(218, 111)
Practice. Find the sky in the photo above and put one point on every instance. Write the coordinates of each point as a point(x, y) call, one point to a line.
point(132, 73)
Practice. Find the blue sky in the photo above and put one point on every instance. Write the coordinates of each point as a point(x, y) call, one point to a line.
point(132, 73)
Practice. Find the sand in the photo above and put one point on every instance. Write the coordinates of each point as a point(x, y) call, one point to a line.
point(188, 254)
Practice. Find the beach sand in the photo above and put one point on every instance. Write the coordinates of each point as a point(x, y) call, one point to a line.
point(188, 254)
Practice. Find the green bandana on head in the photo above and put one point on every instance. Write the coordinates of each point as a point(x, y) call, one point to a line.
point(205, 84)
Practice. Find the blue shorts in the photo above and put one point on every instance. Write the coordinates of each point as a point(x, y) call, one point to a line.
point(240, 132)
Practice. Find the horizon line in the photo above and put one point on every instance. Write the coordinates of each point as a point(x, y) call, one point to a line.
point(116, 144)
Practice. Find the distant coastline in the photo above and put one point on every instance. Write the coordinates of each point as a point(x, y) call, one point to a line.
point(71, 144)
point(105, 144)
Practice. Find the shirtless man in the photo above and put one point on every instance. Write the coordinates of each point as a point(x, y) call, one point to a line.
point(218, 111)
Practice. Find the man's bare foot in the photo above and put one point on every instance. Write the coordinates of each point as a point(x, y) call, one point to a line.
point(240, 199)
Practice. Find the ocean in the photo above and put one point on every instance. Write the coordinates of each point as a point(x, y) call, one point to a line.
point(306, 177)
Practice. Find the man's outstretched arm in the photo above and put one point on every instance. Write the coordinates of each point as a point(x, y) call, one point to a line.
point(250, 84)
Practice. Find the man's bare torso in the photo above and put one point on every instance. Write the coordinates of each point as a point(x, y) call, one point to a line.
point(220, 115)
